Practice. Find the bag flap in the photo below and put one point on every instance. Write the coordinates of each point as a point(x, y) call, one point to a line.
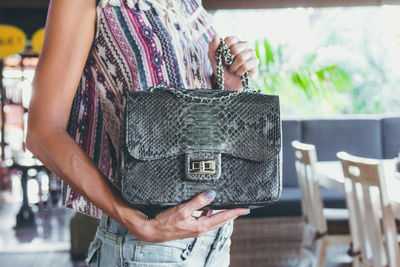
point(161, 124)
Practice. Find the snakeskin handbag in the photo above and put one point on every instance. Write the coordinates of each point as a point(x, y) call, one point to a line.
point(178, 142)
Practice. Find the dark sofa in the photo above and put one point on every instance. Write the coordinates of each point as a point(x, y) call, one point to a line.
point(366, 136)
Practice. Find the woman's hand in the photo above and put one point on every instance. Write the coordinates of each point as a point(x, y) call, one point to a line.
point(178, 222)
point(245, 60)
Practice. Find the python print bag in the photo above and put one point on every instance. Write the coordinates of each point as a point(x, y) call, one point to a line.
point(179, 142)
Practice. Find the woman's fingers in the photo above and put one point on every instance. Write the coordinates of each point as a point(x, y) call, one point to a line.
point(245, 60)
point(250, 65)
point(241, 60)
point(245, 57)
point(239, 47)
point(178, 222)
point(199, 201)
point(230, 40)
point(218, 219)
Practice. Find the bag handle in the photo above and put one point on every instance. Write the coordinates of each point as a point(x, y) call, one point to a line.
point(223, 55)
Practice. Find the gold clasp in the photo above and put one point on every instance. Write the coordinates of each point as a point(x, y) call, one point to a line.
point(202, 166)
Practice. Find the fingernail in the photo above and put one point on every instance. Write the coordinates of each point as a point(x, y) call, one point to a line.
point(210, 194)
point(246, 212)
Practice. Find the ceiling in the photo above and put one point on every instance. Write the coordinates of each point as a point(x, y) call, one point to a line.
point(30, 15)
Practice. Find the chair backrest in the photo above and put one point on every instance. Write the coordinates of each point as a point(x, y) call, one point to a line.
point(311, 201)
point(370, 207)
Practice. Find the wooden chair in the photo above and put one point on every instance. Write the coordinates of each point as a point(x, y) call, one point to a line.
point(375, 232)
point(320, 231)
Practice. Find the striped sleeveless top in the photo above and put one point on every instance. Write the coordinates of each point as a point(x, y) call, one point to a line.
point(137, 44)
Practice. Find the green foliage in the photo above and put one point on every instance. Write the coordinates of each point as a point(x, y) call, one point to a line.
point(307, 88)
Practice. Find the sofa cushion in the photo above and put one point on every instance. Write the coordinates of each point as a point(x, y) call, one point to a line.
point(391, 137)
point(290, 131)
point(290, 203)
point(358, 136)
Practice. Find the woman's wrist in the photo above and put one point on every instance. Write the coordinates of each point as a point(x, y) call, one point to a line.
point(127, 215)
point(120, 211)
point(135, 221)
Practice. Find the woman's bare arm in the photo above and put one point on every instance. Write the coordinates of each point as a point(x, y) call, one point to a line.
point(68, 37)
point(69, 34)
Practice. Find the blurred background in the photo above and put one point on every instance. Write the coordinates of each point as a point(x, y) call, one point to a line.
point(334, 63)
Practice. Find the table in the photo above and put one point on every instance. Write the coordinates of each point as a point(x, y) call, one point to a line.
point(331, 176)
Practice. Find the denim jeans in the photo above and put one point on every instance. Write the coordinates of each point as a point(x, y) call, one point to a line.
point(113, 246)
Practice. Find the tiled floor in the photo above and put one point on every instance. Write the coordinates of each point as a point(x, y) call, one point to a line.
point(51, 232)
point(274, 242)
point(47, 244)
point(49, 259)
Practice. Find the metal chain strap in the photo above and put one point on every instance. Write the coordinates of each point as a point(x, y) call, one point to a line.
point(222, 53)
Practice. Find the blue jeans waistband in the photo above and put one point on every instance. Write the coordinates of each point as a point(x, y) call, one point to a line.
point(214, 240)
